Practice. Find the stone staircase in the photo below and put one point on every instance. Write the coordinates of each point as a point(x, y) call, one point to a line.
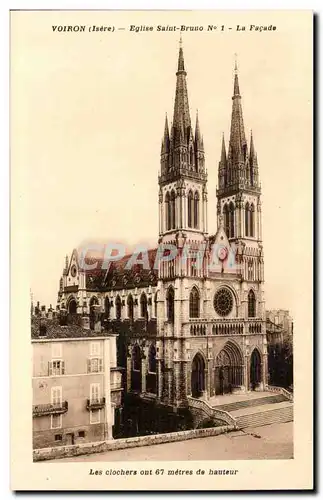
point(269, 408)
point(230, 407)
point(270, 416)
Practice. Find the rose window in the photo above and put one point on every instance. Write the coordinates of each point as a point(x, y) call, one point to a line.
point(223, 302)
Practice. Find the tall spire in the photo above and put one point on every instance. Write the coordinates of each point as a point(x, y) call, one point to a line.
point(223, 152)
point(198, 136)
point(165, 141)
point(181, 107)
point(236, 90)
point(237, 145)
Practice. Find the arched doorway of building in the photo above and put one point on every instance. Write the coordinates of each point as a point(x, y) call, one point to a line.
point(228, 369)
point(198, 376)
point(255, 369)
point(72, 306)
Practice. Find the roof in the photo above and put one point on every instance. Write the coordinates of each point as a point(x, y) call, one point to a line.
point(55, 331)
point(118, 276)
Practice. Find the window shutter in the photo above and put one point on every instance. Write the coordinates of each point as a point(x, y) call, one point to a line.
point(100, 364)
point(89, 366)
point(63, 367)
point(50, 368)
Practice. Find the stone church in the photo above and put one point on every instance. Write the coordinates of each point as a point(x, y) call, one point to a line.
point(195, 325)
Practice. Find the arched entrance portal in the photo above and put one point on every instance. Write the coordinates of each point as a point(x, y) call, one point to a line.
point(228, 369)
point(72, 306)
point(198, 376)
point(255, 369)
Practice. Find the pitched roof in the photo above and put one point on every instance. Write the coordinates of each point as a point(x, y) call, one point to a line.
point(53, 330)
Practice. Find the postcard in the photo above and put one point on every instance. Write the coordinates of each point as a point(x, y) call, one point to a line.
point(161, 250)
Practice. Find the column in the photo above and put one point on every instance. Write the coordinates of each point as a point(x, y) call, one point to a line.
point(264, 366)
point(246, 373)
point(144, 370)
point(259, 225)
point(184, 211)
point(129, 360)
point(160, 217)
point(159, 380)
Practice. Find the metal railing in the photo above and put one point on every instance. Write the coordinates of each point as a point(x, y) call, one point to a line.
point(95, 404)
point(50, 408)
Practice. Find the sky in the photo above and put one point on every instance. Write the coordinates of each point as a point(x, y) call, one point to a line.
point(87, 118)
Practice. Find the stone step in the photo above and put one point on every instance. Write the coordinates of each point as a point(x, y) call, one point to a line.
point(272, 416)
point(229, 407)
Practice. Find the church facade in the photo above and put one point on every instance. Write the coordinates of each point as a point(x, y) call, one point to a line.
point(193, 325)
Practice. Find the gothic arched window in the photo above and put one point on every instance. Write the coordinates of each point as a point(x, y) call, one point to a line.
point(172, 210)
point(152, 359)
point(252, 220)
point(167, 212)
point(136, 358)
point(226, 220)
point(170, 299)
point(251, 304)
point(191, 157)
point(143, 306)
point(246, 216)
point(118, 307)
point(194, 303)
point(130, 307)
point(190, 209)
point(196, 210)
point(231, 220)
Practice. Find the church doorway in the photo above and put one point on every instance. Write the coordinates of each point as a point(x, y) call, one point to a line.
point(72, 307)
point(255, 369)
point(228, 369)
point(198, 376)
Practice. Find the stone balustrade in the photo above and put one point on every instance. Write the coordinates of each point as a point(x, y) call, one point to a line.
point(223, 326)
point(280, 390)
point(203, 410)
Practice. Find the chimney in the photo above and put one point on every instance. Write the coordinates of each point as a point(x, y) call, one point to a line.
point(43, 312)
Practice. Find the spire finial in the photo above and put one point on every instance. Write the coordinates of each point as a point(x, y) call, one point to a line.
point(235, 63)
point(181, 56)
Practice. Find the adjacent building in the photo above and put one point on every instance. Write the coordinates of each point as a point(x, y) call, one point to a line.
point(76, 382)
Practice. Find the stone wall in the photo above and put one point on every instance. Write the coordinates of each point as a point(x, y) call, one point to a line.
point(119, 444)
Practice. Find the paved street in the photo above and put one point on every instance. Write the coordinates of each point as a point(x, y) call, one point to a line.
point(268, 442)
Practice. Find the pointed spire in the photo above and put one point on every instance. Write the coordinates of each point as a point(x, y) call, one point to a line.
point(181, 66)
point(238, 144)
point(181, 107)
point(165, 141)
point(236, 90)
point(198, 136)
point(223, 151)
point(252, 147)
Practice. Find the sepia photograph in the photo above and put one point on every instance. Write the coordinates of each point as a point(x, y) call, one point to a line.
point(161, 175)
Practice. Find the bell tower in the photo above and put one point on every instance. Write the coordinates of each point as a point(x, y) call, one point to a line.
point(239, 193)
point(182, 224)
point(182, 180)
